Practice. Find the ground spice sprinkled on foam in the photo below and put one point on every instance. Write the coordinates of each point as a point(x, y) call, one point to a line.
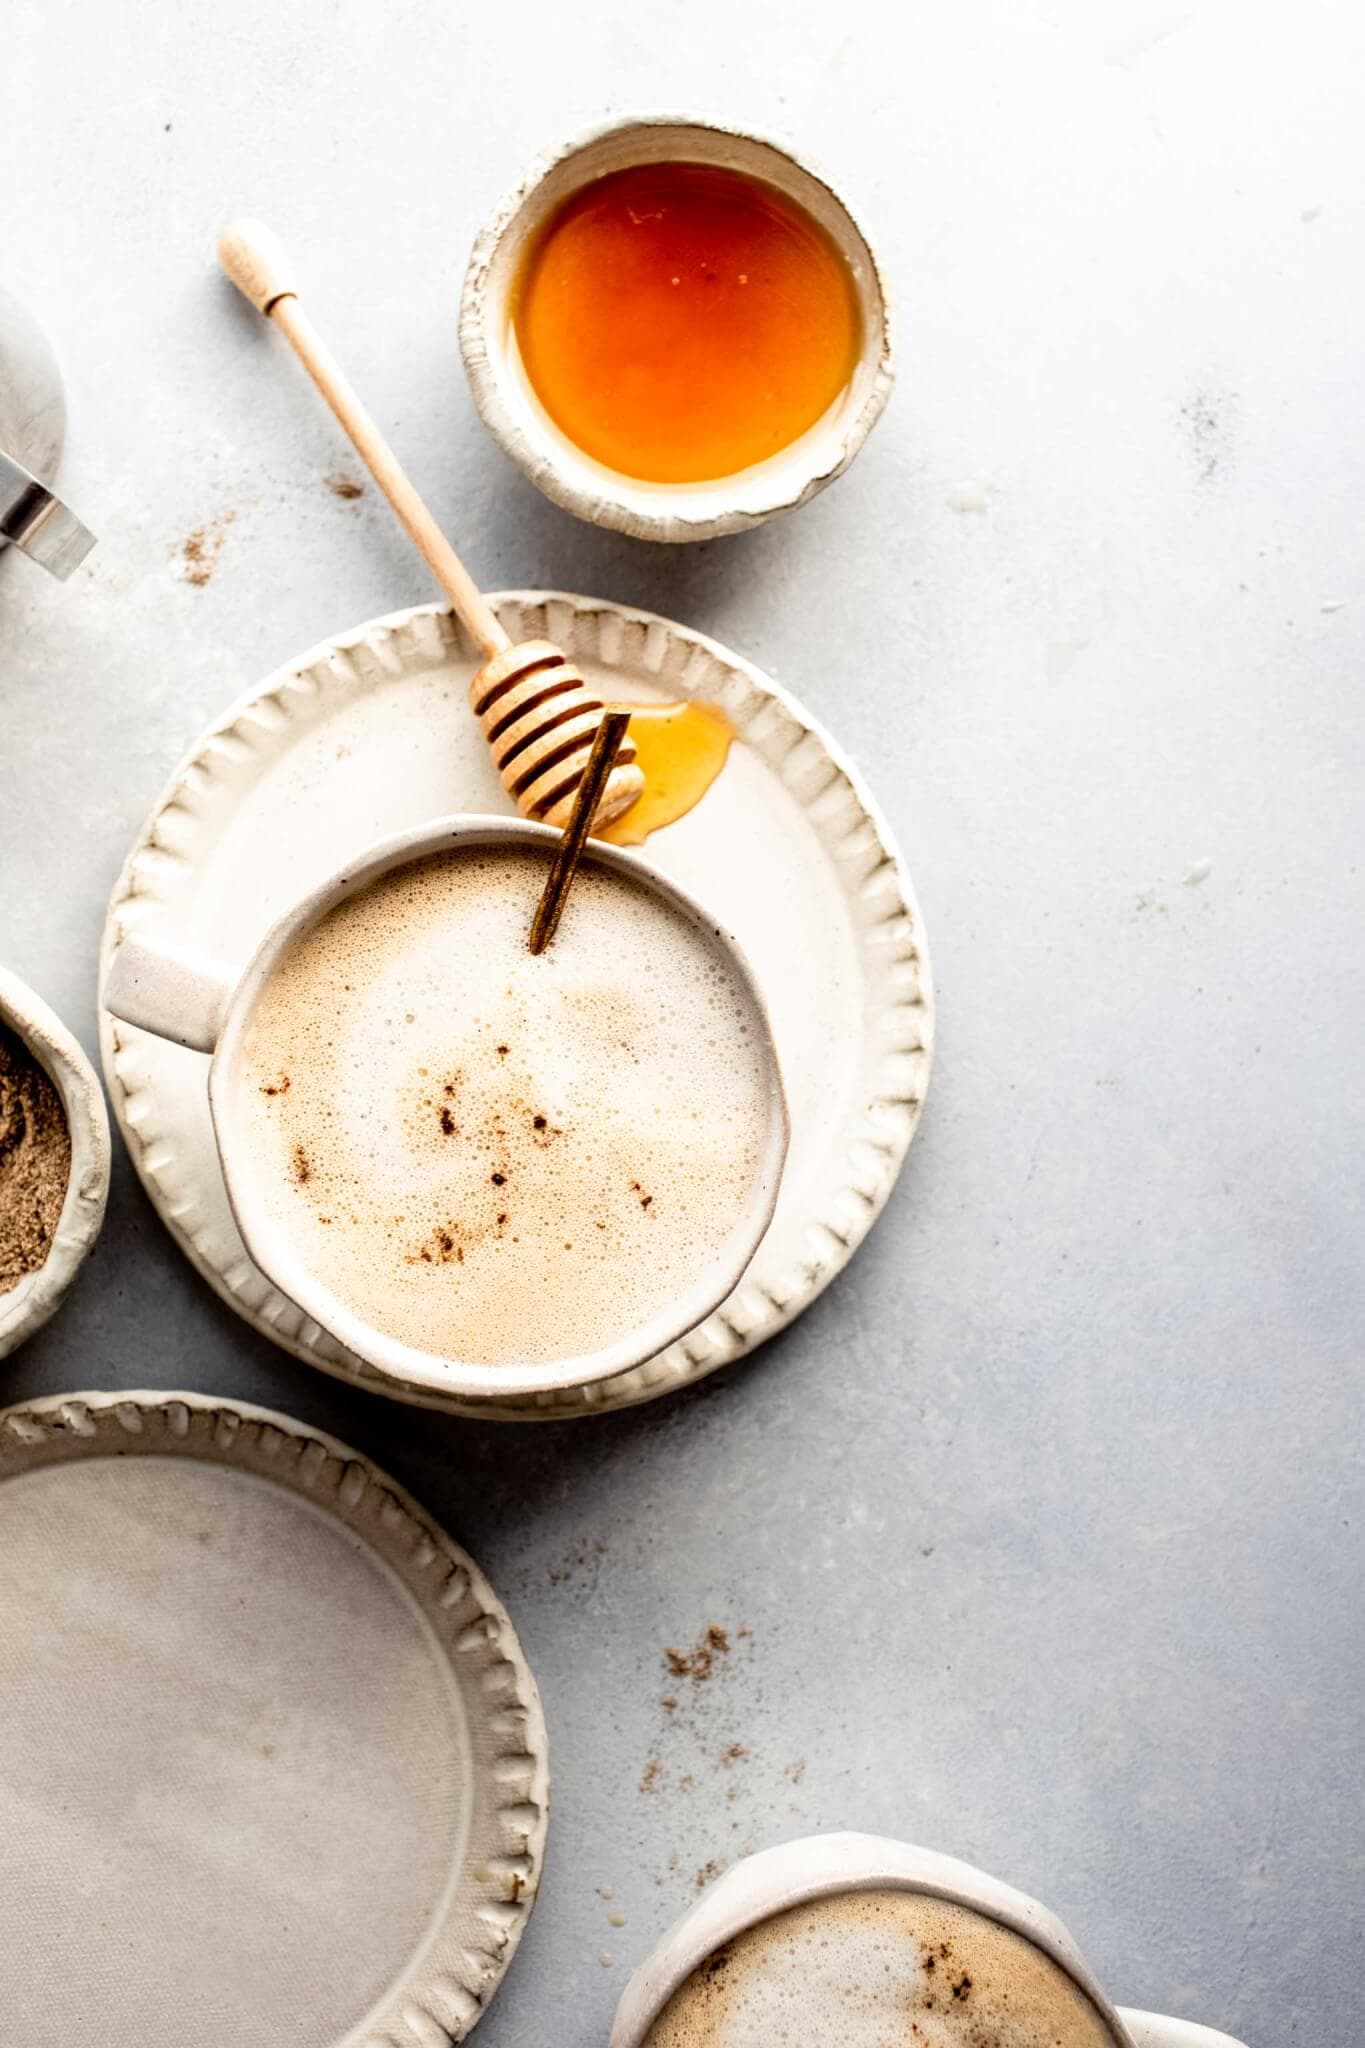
point(35, 1161)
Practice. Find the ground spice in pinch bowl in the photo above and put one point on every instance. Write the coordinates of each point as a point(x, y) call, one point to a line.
point(54, 1160)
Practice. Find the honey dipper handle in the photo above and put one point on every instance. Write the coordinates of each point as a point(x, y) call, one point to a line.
point(257, 264)
point(254, 258)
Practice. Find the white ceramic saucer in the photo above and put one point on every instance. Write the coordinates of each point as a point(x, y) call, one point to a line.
point(270, 1745)
point(370, 733)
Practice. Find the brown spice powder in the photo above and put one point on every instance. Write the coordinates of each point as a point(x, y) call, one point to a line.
point(35, 1160)
point(199, 551)
point(699, 1663)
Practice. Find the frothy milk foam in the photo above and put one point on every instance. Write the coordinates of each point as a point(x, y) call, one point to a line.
point(492, 1157)
point(879, 1969)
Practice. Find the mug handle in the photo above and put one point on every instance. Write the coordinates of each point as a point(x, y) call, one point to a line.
point(169, 993)
point(1154, 2030)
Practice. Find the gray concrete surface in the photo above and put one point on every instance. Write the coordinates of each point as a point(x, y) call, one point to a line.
point(1045, 1521)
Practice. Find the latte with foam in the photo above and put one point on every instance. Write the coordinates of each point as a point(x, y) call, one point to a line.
point(879, 1969)
point(496, 1158)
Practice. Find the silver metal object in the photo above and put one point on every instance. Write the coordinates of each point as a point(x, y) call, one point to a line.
point(32, 428)
point(33, 519)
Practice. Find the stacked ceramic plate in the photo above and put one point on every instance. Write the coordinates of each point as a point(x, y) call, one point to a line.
point(368, 737)
point(316, 1808)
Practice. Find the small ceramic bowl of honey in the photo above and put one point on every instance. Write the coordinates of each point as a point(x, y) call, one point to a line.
point(676, 329)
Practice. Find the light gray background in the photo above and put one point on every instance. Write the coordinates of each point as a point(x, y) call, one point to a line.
point(1046, 1519)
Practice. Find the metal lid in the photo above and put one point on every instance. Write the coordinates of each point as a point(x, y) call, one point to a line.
point(39, 523)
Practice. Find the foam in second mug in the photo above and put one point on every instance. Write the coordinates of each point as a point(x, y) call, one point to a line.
point(498, 1158)
point(879, 1969)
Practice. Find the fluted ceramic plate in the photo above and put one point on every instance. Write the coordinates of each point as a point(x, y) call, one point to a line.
point(369, 734)
point(272, 1765)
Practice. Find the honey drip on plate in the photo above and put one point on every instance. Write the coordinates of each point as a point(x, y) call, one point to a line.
point(682, 749)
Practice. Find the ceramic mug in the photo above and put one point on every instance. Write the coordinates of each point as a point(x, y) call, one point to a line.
point(208, 1008)
point(826, 1866)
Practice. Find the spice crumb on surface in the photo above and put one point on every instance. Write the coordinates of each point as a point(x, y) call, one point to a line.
point(197, 555)
point(699, 1663)
point(583, 1556)
point(35, 1160)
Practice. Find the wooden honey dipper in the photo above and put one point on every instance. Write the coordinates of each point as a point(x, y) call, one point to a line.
point(537, 714)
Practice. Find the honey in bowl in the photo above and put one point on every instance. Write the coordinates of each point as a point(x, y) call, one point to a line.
point(681, 321)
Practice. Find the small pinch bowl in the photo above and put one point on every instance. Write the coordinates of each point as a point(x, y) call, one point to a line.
point(519, 422)
point(27, 1305)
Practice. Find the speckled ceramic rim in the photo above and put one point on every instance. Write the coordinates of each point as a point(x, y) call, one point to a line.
point(827, 1866)
point(465, 1956)
point(515, 417)
point(836, 806)
point(27, 1306)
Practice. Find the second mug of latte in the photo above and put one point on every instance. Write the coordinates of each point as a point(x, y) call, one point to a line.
point(487, 1173)
point(854, 1941)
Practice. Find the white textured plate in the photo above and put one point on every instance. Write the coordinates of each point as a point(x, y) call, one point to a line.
point(272, 1765)
point(271, 1760)
point(370, 733)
